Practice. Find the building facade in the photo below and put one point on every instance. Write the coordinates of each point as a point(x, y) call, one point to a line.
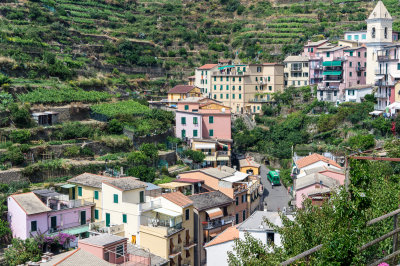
point(296, 71)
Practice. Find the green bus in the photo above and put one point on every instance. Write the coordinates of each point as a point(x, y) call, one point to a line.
point(273, 177)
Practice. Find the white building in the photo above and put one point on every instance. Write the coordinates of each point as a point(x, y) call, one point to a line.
point(218, 248)
point(357, 93)
point(203, 78)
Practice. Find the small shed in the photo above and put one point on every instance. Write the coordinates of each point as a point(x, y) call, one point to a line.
point(47, 118)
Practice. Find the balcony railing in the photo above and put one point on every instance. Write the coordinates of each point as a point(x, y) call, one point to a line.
point(297, 68)
point(381, 95)
point(239, 188)
point(168, 224)
point(57, 205)
point(223, 153)
point(232, 73)
point(380, 71)
point(151, 205)
point(360, 68)
point(188, 244)
point(174, 250)
point(217, 223)
point(258, 100)
point(101, 227)
point(384, 83)
point(317, 67)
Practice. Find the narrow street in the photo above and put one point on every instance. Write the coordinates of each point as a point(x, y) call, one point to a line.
point(275, 198)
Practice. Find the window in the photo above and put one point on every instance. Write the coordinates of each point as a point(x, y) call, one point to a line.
point(386, 32)
point(115, 198)
point(233, 88)
point(244, 69)
point(269, 78)
point(195, 122)
point(351, 54)
point(270, 237)
point(215, 87)
point(183, 133)
point(233, 96)
point(237, 201)
point(240, 96)
point(363, 36)
point(33, 226)
point(398, 66)
point(80, 191)
point(187, 214)
point(350, 74)
point(270, 88)
point(349, 37)
point(240, 78)
point(120, 251)
point(96, 214)
point(373, 33)
point(256, 88)
point(240, 88)
point(359, 54)
point(258, 69)
point(350, 64)
point(335, 93)
point(227, 87)
point(141, 196)
point(256, 78)
point(215, 78)
point(244, 215)
point(233, 79)
point(221, 96)
point(328, 54)
point(202, 73)
point(298, 82)
point(124, 218)
point(183, 120)
point(221, 78)
point(186, 107)
point(365, 54)
point(215, 96)
point(321, 93)
point(96, 195)
point(237, 218)
point(312, 49)
point(227, 78)
point(227, 96)
point(211, 119)
point(221, 88)
point(211, 132)
point(243, 198)
point(194, 132)
point(305, 83)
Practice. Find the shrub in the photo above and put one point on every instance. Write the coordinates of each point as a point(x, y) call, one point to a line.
point(20, 115)
point(195, 156)
point(362, 142)
point(72, 151)
point(20, 136)
point(73, 130)
point(22, 251)
point(143, 172)
point(115, 127)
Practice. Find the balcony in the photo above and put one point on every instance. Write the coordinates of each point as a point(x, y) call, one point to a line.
point(174, 251)
point(189, 244)
point(296, 69)
point(217, 223)
point(317, 67)
point(100, 227)
point(239, 188)
point(224, 74)
point(258, 100)
point(384, 58)
point(57, 205)
point(384, 83)
point(382, 95)
point(151, 205)
point(162, 226)
point(328, 88)
point(360, 68)
point(379, 72)
point(209, 153)
point(223, 153)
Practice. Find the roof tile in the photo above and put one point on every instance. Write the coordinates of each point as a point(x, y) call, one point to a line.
point(181, 89)
point(178, 198)
point(208, 66)
point(313, 158)
point(231, 233)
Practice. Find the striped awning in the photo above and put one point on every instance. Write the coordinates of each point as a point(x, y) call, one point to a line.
point(332, 63)
point(332, 73)
point(215, 213)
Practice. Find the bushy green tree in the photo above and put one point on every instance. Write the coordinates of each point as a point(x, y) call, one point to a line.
point(20, 136)
point(22, 251)
point(143, 172)
point(195, 156)
point(20, 115)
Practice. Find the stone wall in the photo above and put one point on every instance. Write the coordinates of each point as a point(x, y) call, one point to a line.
point(11, 175)
point(137, 141)
point(168, 156)
point(71, 112)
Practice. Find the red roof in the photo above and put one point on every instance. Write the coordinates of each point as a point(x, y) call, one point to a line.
point(208, 66)
point(231, 233)
point(313, 158)
point(178, 198)
point(181, 89)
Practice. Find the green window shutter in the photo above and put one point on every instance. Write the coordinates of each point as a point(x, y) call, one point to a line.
point(256, 79)
point(187, 214)
point(141, 196)
point(359, 54)
point(215, 87)
point(215, 78)
point(312, 49)
point(186, 107)
point(351, 53)
point(328, 54)
point(33, 226)
point(233, 88)
point(269, 78)
point(221, 78)
point(124, 218)
point(240, 96)
point(227, 96)
point(351, 64)
point(183, 133)
point(115, 198)
point(202, 73)
point(240, 88)
point(80, 191)
point(244, 69)
point(227, 78)
point(398, 66)
point(365, 54)
point(210, 119)
point(183, 120)
point(221, 96)
point(215, 96)
point(256, 88)
point(194, 132)
point(227, 87)
point(270, 88)
point(211, 132)
point(350, 74)
point(96, 195)
point(220, 87)
point(195, 120)
point(233, 96)
point(240, 78)
point(96, 214)
point(233, 78)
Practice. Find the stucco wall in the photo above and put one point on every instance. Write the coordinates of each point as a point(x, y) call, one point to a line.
point(88, 194)
point(17, 219)
point(189, 126)
point(221, 126)
point(302, 194)
point(218, 254)
point(67, 218)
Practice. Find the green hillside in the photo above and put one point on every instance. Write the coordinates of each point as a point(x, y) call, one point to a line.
point(91, 44)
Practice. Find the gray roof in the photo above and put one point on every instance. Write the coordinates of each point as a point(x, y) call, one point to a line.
point(248, 162)
point(316, 178)
point(296, 58)
point(215, 172)
point(90, 180)
point(77, 257)
point(316, 43)
point(47, 193)
point(151, 186)
point(361, 87)
point(30, 203)
point(102, 240)
point(126, 183)
point(321, 169)
point(208, 200)
point(256, 221)
point(155, 260)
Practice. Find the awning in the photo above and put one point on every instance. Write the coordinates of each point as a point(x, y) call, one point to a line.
point(68, 186)
point(168, 212)
point(378, 77)
point(215, 213)
point(376, 112)
point(223, 67)
point(395, 105)
point(74, 230)
point(332, 63)
point(204, 146)
point(332, 73)
point(238, 176)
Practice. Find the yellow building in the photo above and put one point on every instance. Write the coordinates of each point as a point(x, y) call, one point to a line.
point(168, 231)
point(181, 92)
point(244, 88)
point(88, 186)
point(249, 166)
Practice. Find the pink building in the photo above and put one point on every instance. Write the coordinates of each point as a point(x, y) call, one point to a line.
point(202, 118)
point(47, 212)
point(315, 62)
point(111, 248)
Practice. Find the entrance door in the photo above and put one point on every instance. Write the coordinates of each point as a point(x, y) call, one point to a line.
point(83, 217)
point(107, 219)
point(53, 222)
point(73, 194)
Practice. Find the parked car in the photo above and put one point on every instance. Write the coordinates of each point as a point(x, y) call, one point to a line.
point(273, 177)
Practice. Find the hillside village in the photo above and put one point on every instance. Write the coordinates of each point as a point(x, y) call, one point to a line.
point(288, 161)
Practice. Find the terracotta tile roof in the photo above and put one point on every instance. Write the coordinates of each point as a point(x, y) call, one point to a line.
point(208, 66)
point(181, 89)
point(313, 158)
point(229, 234)
point(178, 198)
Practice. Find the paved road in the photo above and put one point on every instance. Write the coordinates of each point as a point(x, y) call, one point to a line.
point(275, 198)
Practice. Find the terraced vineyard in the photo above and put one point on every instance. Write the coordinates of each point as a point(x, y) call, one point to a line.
point(114, 41)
